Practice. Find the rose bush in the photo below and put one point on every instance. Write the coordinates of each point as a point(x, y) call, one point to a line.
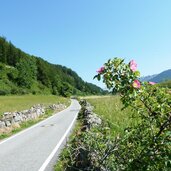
point(146, 146)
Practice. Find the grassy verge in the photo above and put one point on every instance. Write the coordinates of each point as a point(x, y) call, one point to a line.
point(62, 162)
point(18, 103)
point(109, 109)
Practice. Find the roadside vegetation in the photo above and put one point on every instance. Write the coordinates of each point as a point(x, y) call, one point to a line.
point(109, 108)
point(119, 143)
point(62, 162)
point(166, 84)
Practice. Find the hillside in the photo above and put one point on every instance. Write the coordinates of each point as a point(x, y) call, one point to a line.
point(147, 78)
point(21, 73)
point(163, 76)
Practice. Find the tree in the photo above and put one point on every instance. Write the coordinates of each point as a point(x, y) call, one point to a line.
point(3, 49)
point(12, 55)
point(27, 72)
point(66, 90)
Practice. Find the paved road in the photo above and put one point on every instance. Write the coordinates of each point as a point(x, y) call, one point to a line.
point(32, 149)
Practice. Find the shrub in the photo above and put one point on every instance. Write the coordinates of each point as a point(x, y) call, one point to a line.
point(147, 145)
point(4, 92)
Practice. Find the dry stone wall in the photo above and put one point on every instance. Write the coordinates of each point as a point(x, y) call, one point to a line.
point(13, 119)
point(90, 118)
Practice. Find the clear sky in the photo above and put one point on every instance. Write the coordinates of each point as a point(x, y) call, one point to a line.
point(83, 34)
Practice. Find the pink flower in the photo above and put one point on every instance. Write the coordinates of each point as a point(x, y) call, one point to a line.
point(133, 65)
point(100, 70)
point(152, 83)
point(136, 84)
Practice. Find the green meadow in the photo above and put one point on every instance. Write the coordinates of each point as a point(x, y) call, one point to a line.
point(109, 108)
point(18, 103)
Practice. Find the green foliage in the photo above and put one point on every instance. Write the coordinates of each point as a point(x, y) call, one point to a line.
point(3, 50)
point(28, 72)
point(166, 84)
point(61, 164)
point(143, 143)
point(66, 90)
point(109, 108)
point(88, 150)
point(145, 146)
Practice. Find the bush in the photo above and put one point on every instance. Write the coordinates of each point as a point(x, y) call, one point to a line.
point(146, 146)
point(5, 87)
point(14, 90)
point(22, 91)
point(4, 92)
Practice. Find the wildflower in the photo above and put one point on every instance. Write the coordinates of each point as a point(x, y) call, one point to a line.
point(100, 70)
point(136, 84)
point(152, 83)
point(133, 65)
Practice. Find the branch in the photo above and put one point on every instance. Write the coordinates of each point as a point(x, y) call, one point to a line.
point(164, 125)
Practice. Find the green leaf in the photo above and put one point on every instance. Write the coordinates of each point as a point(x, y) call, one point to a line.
point(137, 73)
point(95, 76)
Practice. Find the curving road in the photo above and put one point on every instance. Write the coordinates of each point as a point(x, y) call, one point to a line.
point(34, 148)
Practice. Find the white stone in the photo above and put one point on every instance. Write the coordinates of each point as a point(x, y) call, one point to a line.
point(2, 124)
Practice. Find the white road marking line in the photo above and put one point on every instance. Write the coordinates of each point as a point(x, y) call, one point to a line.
point(43, 167)
point(39, 123)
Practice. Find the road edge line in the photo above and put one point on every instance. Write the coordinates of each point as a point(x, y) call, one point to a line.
point(37, 124)
point(47, 161)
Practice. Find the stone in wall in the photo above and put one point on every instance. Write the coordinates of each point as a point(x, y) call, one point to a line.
point(2, 124)
point(90, 118)
point(13, 119)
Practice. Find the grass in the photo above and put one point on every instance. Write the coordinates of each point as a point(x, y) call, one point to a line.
point(19, 103)
point(27, 124)
point(109, 108)
point(60, 165)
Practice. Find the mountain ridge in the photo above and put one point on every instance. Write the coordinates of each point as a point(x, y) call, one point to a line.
point(158, 78)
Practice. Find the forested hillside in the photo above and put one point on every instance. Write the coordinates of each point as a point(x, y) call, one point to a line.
point(21, 73)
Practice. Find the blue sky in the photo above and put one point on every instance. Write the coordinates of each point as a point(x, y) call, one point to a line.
point(83, 34)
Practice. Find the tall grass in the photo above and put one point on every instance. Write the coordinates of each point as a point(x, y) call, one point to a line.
point(18, 103)
point(109, 108)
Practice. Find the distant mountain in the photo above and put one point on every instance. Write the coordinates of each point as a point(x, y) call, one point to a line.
point(147, 78)
point(163, 76)
point(21, 73)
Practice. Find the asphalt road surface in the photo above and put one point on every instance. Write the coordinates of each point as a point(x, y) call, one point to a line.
point(34, 148)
